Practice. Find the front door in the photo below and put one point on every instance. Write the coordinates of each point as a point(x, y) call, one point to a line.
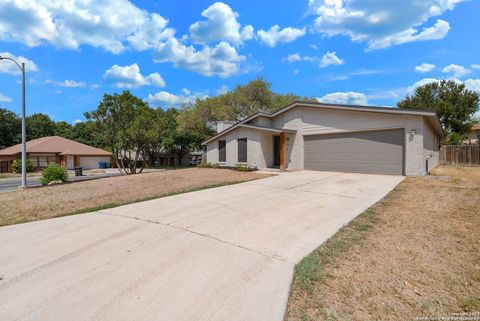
point(70, 162)
point(276, 151)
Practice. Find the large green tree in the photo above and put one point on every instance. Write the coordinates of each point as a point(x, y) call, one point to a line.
point(10, 128)
point(126, 124)
point(63, 129)
point(454, 104)
point(39, 125)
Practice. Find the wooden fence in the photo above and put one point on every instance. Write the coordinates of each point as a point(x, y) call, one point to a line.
point(460, 155)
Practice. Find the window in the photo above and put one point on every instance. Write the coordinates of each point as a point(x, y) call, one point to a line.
point(222, 154)
point(242, 150)
point(478, 134)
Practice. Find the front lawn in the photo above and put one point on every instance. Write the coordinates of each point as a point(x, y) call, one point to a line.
point(414, 254)
point(52, 201)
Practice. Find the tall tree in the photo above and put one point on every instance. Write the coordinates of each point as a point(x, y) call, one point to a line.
point(454, 104)
point(39, 125)
point(10, 128)
point(86, 133)
point(63, 129)
point(126, 124)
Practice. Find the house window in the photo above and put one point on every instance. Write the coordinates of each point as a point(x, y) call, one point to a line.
point(222, 153)
point(478, 134)
point(242, 150)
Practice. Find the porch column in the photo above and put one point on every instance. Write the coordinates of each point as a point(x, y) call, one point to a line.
point(283, 151)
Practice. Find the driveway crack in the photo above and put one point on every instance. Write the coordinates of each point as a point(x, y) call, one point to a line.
point(211, 237)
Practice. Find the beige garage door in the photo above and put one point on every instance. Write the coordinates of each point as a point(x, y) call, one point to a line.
point(379, 152)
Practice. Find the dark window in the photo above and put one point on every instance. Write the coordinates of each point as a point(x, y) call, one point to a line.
point(242, 150)
point(222, 154)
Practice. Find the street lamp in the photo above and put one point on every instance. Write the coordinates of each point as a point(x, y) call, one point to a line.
point(24, 132)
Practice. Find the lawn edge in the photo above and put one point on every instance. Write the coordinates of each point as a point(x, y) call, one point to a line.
point(138, 200)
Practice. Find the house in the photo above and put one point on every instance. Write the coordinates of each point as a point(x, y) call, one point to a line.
point(473, 135)
point(329, 137)
point(56, 150)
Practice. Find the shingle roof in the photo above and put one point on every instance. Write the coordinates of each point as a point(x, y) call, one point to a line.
point(476, 126)
point(56, 145)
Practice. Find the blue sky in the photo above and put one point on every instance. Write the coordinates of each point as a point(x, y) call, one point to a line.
point(169, 52)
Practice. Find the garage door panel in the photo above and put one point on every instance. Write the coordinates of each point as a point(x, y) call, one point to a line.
point(362, 152)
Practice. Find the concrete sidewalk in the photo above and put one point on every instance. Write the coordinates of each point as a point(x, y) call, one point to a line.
point(220, 254)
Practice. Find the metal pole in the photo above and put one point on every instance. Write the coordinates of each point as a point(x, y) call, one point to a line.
point(24, 133)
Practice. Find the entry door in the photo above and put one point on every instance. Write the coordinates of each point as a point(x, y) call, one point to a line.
point(70, 162)
point(276, 151)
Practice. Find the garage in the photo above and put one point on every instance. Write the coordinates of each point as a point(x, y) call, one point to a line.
point(375, 152)
point(92, 162)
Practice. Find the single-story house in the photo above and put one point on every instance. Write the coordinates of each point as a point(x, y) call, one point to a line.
point(330, 137)
point(474, 135)
point(57, 150)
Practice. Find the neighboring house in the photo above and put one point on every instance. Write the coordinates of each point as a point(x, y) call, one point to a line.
point(57, 150)
point(474, 135)
point(328, 137)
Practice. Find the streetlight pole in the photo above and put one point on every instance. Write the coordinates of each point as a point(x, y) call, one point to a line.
point(24, 130)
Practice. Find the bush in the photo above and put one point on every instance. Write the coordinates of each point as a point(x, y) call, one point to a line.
point(52, 173)
point(208, 165)
point(244, 168)
point(17, 166)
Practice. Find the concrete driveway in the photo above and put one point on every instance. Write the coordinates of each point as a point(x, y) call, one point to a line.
point(220, 254)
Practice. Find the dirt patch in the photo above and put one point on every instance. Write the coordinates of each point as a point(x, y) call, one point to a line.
point(46, 202)
point(416, 253)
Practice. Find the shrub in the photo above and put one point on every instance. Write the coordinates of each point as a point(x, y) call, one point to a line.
point(244, 168)
point(208, 165)
point(17, 166)
point(52, 173)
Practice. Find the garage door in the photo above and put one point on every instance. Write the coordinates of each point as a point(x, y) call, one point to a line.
point(379, 152)
point(92, 162)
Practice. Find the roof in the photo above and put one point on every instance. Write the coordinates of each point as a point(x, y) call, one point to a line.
point(56, 145)
point(432, 116)
point(476, 126)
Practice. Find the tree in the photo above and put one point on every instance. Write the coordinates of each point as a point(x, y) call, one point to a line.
point(86, 133)
point(454, 104)
point(63, 129)
point(39, 125)
point(126, 124)
point(10, 128)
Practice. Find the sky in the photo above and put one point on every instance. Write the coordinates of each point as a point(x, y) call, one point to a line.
point(370, 52)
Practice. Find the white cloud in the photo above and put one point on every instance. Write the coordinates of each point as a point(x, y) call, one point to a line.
point(379, 23)
point(274, 35)
point(473, 84)
point(345, 98)
point(476, 67)
point(221, 60)
point(130, 77)
point(470, 84)
point(223, 90)
point(220, 25)
point(167, 99)
point(4, 98)
point(296, 71)
point(292, 58)
point(424, 68)
point(66, 83)
point(107, 24)
point(77, 121)
point(8, 67)
point(456, 70)
point(330, 58)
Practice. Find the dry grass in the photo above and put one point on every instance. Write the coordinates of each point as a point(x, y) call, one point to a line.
point(47, 202)
point(415, 253)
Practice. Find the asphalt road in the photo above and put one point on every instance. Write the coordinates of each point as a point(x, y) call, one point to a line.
point(11, 184)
